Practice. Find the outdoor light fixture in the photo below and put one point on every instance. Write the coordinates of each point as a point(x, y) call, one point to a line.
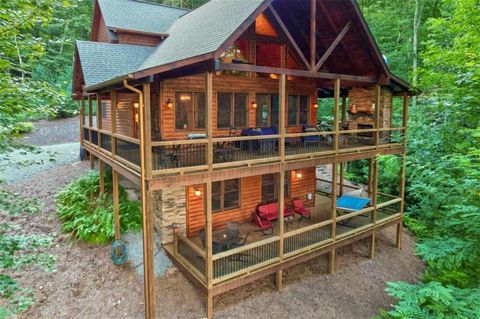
point(197, 192)
point(298, 174)
point(273, 76)
point(315, 105)
point(169, 103)
point(135, 105)
point(253, 104)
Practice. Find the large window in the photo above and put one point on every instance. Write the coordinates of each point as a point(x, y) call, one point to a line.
point(270, 184)
point(232, 110)
point(189, 111)
point(225, 195)
point(267, 110)
point(297, 110)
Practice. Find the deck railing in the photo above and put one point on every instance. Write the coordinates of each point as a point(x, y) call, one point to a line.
point(307, 238)
point(106, 141)
point(192, 256)
point(301, 144)
point(128, 149)
point(179, 155)
point(245, 259)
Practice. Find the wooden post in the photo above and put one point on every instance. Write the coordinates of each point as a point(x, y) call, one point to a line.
point(92, 161)
point(101, 175)
point(82, 118)
point(332, 255)
point(370, 177)
point(113, 120)
point(116, 204)
point(371, 250)
point(335, 113)
point(313, 33)
point(147, 122)
point(99, 120)
point(371, 254)
point(342, 176)
point(378, 92)
point(208, 247)
point(147, 215)
point(281, 227)
point(90, 111)
point(281, 114)
point(209, 118)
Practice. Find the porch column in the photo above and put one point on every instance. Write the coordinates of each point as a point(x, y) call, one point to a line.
point(332, 254)
point(370, 177)
point(209, 118)
point(374, 204)
point(99, 119)
point(342, 176)
point(90, 125)
point(113, 120)
point(116, 204)
point(101, 175)
point(208, 247)
point(313, 33)
point(147, 122)
point(403, 175)
point(282, 90)
point(378, 92)
point(336, 106)
point(82, 118)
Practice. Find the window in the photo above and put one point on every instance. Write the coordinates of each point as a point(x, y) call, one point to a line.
point(189, 111)
point(270, 189)
point(225, 195)
point(297, 110)
point(232, 110)
point(104, 110)
point(267, 110)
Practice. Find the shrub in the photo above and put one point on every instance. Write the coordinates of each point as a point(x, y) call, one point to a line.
point(88, 216)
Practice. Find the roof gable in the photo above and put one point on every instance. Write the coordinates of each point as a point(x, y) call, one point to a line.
point(100, 62)
point(203, 30)
point(139, 16)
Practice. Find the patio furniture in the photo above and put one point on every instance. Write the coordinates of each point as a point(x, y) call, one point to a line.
point(226, 150)
point(348, 204)
point(310, 140)
point(270, 211)
point(299, 208)
point(216, 247)
point(264, 225)
point(263, 145)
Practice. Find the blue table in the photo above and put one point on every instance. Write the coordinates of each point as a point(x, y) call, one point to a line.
point(352, 203)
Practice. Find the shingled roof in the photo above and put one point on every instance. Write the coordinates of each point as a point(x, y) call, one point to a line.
point(102, 62)
point(202, 31)
point(139, 16)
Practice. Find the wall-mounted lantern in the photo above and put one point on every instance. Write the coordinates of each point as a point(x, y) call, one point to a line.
point(197, 192)
point(169, 103)
point(253, 104)
point(315, 105)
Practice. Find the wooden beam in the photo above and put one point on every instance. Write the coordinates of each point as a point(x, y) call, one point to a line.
point(331, 261)
point(209, 117)
point(378, 110)
point(147, 122)
point(371, 248)
point(101, 174)
point(336, 110)
point(292, 72)
point(116, 204)
point(332, 47)
point(313, 33)
point(342, 176)
point(344, 111)
point(113, 119)
point(208, 245)
point(279, 280)
point(289, 36)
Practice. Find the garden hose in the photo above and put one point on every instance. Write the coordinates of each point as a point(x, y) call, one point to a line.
point(119, 252)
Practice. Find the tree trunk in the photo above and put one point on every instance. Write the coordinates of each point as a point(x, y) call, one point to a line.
point(416, 29)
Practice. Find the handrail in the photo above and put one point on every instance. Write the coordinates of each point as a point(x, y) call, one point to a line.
point(126, 138)
point(356, 213)
point(307, 228)
point(190, 244)
point(179, 142)
point(306, 134)
point(388, 203)
point(245, 247)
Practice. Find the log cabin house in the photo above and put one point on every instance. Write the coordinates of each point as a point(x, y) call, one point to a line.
point(213, 114)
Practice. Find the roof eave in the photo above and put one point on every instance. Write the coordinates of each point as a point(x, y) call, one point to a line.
point(107, 83)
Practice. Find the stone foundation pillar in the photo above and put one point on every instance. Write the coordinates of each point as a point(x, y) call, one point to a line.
point(169, 207)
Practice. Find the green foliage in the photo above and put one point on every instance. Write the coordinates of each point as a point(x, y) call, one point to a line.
point(434, 300)
point(18, 252)
point(89, 216)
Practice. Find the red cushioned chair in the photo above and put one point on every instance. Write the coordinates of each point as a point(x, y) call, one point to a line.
point(264, 225)
point(300, 209)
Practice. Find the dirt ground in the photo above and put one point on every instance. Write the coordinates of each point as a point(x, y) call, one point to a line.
point(87, 285)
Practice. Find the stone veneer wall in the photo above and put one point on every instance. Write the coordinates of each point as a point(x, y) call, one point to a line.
point(363, 99)
point(169, 207)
